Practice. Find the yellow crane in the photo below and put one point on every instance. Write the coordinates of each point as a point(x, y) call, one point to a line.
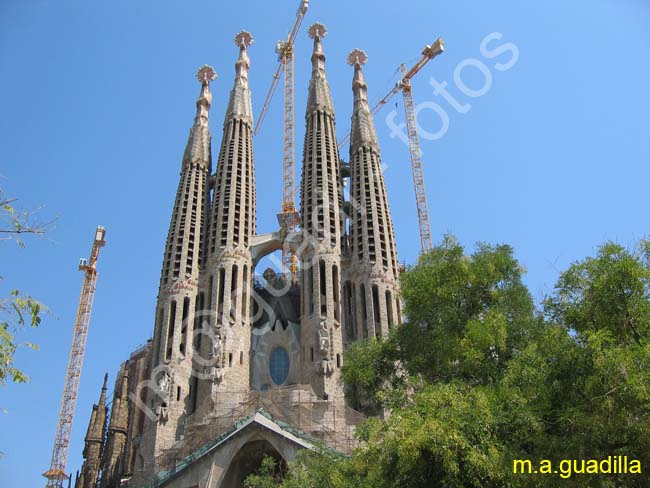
point(288, 217)
point(56, 474)
point(404, 85)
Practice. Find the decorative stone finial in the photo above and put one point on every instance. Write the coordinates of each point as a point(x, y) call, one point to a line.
point(206, 74)
point(243, 39)
point(105, 381)
point(317, 30)
point(357, 56)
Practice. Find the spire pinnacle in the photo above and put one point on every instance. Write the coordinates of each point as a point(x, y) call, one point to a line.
point(316, 32)
point(243, 39)
point(102, 396)
point(363, 127)
point(319, 92)
point(205, 75)
point(240, 104)
point(198, 144)
point(125, 381)
point(358, 58)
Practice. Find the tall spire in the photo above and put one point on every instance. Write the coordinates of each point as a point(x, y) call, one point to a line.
point(372, 297)
point(363, 127)
point(319, 91)
point(239, 104)
point(102, 395)
point(228, 269)
point(233, 212)
point(321, 203)
point(198, 143)
point(93, 442)
point(113, 455)
point(96, 429)
point(178, 294)
point(183, 263)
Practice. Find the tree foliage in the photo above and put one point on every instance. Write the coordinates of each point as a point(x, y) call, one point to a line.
point(477, 377)
point(18, 310)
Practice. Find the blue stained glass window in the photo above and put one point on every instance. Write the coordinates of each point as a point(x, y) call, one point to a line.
point(279, 365)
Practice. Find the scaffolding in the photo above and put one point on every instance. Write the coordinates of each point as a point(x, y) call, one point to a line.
point(295, 408)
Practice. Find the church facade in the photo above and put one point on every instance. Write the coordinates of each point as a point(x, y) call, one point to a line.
point(244, 364)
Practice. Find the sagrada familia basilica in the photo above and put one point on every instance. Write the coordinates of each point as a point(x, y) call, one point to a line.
point(241, 364)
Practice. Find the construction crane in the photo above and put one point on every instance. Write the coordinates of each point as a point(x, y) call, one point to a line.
point(404, 85)
point(288, 218)
point(56, 474)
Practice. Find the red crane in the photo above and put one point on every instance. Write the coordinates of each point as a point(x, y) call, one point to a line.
point(288, 217)
point(404, 85)
point(56, 474)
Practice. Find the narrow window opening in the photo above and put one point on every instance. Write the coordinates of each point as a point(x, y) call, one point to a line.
point(347, 310)
point(198, 320)
point(323, 286)
point(234, 292)
point(170, 329)
point(194, 386)
point(364, 309)
point(159, 335)
point(310, 292)
point(375, 307)
point(210, 293)
point(220, 292)
point(244, 294)
point(335, 287)
point(186, 311)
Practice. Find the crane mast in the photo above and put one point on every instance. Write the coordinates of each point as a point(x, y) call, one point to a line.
point(416, 166)
point(404, 85)
point(288, 218)
point(56, 474)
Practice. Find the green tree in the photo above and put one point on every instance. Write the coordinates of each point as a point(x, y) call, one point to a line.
point(476, 378)
point(18, 310)
point(311, 469)
point(267, 476)
point(467, 316)
point(608, 292)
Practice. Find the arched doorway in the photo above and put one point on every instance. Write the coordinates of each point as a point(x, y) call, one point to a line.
point(248, 460)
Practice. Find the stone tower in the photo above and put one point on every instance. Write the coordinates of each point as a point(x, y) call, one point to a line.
point(371, 290)
point(171, 362)
point(244, 364)
point(228, 268)
point(113, 460)
point(321, 200)
point(93, 443)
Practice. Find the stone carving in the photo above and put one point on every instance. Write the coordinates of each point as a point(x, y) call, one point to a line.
point(324, 340)
point(325, 346)
point(164, 382)
point(178, 286)
point(326, 367)
point(164, 388)
point(217, 354)
point(217, 347)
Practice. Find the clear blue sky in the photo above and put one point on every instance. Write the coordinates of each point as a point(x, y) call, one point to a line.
point(96, 99)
